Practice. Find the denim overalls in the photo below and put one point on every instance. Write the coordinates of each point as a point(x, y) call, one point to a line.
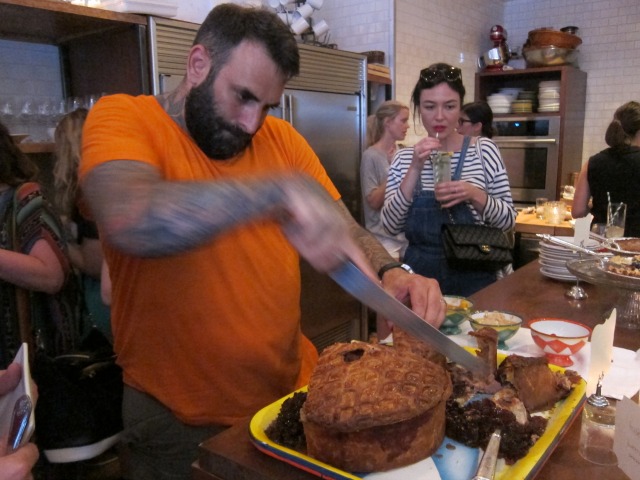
point(423, 229)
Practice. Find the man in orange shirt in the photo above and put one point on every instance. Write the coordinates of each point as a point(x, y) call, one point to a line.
point(204, 204)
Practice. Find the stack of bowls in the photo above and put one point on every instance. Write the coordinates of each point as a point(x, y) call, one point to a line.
point(549, 96)
point(525, 103)
point(500, 103)
point(522, 106)
point(511, 92)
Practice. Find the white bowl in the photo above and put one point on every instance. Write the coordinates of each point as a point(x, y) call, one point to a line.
point(559, 338)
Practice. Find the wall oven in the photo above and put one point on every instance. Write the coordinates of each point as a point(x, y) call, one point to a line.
point(530, 150)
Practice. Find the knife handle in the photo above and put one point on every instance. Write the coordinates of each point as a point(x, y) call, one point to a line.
point(487, 468)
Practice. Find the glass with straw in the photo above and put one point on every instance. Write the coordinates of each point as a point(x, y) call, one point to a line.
point(616, 217)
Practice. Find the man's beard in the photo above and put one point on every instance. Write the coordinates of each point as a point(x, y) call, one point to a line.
point(216, 137)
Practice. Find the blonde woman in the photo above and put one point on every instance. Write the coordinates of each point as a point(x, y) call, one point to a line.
point(85, 250)
point(387, 126)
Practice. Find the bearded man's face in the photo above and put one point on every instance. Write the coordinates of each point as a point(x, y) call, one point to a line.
point(216, 137)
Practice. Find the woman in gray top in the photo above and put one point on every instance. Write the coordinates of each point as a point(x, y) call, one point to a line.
point(388, 125)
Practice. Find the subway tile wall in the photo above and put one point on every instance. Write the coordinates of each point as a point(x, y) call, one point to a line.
point(456, 31)
point(610, 32)
point(416, 34)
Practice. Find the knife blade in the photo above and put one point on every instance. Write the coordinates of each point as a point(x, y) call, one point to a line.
point(355, 282)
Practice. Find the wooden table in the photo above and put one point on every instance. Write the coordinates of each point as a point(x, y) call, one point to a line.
point(529, 223)
point(230, 455)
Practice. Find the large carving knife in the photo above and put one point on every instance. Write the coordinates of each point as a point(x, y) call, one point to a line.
point(354, 281)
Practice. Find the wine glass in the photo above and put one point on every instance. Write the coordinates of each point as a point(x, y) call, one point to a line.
point(576, 292)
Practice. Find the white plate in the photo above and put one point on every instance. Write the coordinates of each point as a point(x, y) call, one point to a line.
point(553, 264)
point(557, 276)
point(556, 255)
point(590, 243)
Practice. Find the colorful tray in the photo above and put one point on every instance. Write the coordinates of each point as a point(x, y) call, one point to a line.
point(452, 461)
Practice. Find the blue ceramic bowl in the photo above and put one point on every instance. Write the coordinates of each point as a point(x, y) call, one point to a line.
point(458, 310)
point(505, 323)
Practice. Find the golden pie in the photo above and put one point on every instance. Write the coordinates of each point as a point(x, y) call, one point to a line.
point(629, 244)
point(629, 266)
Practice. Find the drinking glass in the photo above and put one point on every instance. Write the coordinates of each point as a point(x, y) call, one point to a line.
point(540, 201)
point(554, 212)
point(616, 216)
point(441, 167)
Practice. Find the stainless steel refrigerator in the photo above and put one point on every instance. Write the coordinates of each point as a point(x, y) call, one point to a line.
point(326, 103)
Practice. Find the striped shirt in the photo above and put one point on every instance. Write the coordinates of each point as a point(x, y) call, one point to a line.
point(498, 212)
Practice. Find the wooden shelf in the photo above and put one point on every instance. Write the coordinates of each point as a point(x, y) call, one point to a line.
point(573, 87)
point(57, 22)
point(37, 147)
point(372, 77)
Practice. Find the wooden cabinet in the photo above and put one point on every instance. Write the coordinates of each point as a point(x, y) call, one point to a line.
point(100, 50)
point(573, 86)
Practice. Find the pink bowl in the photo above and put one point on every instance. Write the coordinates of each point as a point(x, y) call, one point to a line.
point(559, 338)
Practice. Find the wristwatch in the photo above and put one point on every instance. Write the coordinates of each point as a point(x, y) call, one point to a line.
point(391, 265)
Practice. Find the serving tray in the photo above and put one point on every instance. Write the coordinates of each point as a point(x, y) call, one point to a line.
point(452, 461)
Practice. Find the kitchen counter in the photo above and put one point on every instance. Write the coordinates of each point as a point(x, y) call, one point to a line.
point(230, 455)
point(529, 223)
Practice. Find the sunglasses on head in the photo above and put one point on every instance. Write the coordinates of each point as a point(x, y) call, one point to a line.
point(450, 74)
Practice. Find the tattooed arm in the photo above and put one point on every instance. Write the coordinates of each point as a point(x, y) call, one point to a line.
point(423, 294)
point(141, 214)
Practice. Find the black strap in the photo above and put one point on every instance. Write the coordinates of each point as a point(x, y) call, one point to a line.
point(463, 154)
point(458, 172)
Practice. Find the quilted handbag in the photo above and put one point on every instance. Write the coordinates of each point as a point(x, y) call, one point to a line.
point(476, 247)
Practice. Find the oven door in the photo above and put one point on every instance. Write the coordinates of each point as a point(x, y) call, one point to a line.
point(532, 167)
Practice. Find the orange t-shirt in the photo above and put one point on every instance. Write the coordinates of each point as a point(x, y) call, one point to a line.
point(213, 333)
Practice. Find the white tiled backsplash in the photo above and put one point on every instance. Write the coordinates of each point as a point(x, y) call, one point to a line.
point(610, 32)
point(456, 31)
point(416, 33)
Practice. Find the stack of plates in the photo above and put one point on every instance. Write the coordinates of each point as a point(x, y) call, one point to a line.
point(522, 106)
point(549, 96)
point(553, 259)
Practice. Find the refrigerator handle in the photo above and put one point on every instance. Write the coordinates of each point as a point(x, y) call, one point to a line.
point(288, 109)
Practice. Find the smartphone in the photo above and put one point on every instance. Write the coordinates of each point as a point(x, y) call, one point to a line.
point(17, 419)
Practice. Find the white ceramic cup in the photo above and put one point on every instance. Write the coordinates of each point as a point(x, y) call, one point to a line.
point(317, 4)
point(299, 25)
point(274, 3)
point(284, 3)
point(305, 11)
point(287, 18)
point(320, 28)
